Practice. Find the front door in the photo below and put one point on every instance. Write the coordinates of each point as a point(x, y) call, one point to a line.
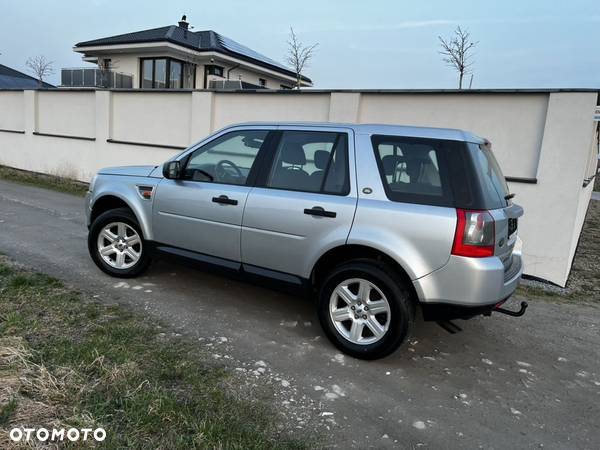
point(303, 203)
point(202, 212)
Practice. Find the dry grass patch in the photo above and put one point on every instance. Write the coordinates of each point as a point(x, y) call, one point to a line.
point(53, 182)
point(67, 361)
point(29, 393)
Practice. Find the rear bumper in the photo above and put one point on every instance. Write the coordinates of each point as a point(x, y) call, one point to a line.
point(471, 282)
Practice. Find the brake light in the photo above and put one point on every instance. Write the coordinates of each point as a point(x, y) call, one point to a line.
point(475, 234)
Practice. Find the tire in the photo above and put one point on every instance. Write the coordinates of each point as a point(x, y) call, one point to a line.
point(395, 323)
point(122, 223)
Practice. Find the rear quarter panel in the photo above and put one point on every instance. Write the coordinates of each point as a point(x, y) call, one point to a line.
point(418, 237)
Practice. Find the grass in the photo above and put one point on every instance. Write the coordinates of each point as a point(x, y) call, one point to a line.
point(68, 361)
point(584, 279)
point(44, 181)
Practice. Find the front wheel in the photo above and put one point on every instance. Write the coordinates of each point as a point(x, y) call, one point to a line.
point(116, 244)
point(364, 309)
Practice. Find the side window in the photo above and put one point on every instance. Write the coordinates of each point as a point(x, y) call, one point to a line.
point(311, 161)
point(411, 169)
point(228, 159)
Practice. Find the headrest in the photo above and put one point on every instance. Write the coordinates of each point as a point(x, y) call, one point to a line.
point(390, 162)
point(417, 153)
point(321, 159)
point(293, 153)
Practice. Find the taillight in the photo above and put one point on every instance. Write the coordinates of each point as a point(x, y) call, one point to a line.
point(475, 234)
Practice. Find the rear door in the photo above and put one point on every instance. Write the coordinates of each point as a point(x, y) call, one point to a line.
point(303, 203)
point(497, 199)
point(203, 211)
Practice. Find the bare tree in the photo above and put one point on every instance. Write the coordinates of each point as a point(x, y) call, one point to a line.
point(40, 67)
point(298, 55)
point(456, 52)
point(107, 67)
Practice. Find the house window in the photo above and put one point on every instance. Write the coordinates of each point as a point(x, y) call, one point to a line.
point(284, 86)
point(262, 82)
point(162, 73)
point(175, 75)
point(189, 76)
point(147, 73)
point(214, 70)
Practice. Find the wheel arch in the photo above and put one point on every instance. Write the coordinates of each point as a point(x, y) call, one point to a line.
point(108, 201)
point(349, 252)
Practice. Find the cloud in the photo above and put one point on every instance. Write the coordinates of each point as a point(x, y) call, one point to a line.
point(388, 27)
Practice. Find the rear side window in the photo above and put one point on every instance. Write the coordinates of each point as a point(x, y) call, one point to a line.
point(413, 170)
point(493, 184)
point(311, 161)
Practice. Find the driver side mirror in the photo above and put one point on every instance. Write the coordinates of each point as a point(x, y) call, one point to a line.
point(172, 170)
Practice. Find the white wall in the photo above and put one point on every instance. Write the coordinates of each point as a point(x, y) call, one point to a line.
point(543, 136)
point(488, 115)
point(12, 115)
point(151, 117)
point(68, 113)
point(235, 107)
point(128, 64)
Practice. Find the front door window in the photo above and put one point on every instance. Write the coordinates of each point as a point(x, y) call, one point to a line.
point(229, 159)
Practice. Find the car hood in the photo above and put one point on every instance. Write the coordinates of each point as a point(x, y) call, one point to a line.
point(136, 171)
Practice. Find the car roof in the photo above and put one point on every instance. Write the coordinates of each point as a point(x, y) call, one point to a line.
point(451, 134)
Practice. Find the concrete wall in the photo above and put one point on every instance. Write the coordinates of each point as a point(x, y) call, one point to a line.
point(168, 124)
point(544, 139)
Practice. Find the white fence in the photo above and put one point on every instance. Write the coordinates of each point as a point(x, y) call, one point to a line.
point(545, 140)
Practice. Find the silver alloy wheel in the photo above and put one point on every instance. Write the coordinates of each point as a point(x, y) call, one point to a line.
point(359, 311)
point(119, 245)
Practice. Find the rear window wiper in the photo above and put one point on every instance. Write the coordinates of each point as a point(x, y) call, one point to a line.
point(509, 196)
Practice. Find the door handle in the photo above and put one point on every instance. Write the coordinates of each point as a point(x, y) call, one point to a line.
point(319, 211)
point(224, 200)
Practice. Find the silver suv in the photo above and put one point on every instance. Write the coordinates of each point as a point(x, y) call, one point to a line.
point(372, 220)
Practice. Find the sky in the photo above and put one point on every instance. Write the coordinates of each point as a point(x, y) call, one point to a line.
point(376, 44)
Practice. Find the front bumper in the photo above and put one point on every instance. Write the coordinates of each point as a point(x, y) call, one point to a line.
point(471, 282)
point(88, 208)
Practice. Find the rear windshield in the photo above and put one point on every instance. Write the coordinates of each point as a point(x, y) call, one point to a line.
point(413, 169)
point(493, 183)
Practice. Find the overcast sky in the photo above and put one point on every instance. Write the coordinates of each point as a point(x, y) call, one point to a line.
point(362, 44)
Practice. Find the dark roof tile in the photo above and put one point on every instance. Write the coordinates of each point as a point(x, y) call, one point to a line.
point(13, 79)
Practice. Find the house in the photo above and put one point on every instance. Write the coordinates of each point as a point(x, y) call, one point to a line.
point(13, 79)
point(175, 57)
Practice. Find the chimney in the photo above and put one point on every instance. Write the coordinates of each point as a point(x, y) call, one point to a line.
point(183, 23)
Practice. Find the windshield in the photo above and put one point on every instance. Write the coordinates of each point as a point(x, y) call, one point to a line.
point(492, 180)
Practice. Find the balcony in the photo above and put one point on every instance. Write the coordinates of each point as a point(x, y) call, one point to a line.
point(95, 78)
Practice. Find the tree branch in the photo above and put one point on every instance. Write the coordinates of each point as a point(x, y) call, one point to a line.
point(298, 55)
point(456, 52)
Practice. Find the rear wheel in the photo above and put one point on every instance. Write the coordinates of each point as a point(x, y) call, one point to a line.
point(364, 309)
point(116, 244)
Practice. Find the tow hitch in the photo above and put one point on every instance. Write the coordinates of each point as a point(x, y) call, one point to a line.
point(508, 312)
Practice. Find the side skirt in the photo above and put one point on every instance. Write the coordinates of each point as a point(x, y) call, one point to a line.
point(282, 281)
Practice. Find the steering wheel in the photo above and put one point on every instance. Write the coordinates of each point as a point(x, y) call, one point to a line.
point(222, 172)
